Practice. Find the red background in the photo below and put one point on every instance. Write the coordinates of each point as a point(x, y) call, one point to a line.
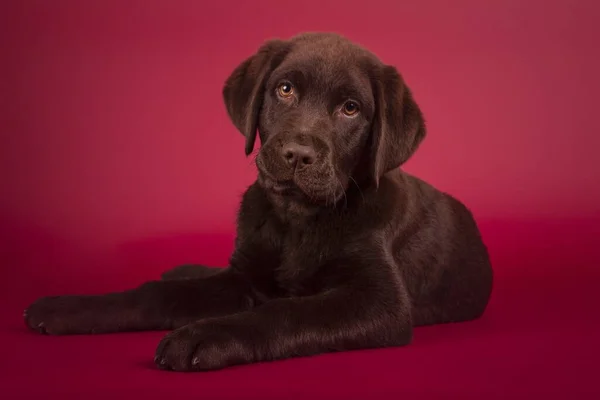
point(117, 161)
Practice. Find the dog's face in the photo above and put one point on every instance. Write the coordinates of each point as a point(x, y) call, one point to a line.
point(329, 114)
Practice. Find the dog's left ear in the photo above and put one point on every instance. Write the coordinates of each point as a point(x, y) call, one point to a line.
point(244, 89)
point(398, 127)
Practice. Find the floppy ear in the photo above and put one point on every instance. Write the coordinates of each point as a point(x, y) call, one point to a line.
point(398, 127)
point(244, 89)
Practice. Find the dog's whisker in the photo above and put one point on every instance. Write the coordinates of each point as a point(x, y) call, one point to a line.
point(343, 192)
point(333, 202)
point(359, 189)
point(252, 158)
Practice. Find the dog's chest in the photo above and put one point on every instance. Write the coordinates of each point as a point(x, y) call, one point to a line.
point(302, 255)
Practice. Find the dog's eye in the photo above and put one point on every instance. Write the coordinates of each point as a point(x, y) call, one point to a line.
point(350, 108)
point(285, 89)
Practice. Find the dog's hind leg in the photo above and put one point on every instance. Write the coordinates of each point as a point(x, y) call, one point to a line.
point(190, 271)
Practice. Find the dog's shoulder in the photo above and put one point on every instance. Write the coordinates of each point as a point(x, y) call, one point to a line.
point(434, 216)
point(399, 197)
point(404, 204)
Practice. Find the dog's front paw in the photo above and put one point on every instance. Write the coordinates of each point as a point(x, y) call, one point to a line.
point(58, 315)
point(202, 346)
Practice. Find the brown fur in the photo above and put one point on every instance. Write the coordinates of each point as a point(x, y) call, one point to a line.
point(336, 247)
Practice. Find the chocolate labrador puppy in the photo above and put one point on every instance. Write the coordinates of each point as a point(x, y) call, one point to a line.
point(336, 249)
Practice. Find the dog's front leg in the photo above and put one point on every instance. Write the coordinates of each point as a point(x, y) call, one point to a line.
point(371, 311)
point(154, 305)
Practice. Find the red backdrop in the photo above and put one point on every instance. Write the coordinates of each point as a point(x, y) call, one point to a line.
point(117, 159)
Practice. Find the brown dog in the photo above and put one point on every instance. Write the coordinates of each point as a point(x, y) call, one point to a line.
point(336, 247)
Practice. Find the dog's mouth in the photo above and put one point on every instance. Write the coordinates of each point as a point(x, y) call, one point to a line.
point(291, 189)
point(286, 188)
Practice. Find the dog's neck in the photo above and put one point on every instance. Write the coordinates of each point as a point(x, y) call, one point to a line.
point(294, 212)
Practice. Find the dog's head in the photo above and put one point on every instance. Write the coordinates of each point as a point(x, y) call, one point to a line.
point(328, 113)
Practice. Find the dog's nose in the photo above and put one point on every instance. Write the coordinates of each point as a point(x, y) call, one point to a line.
point(298, 155)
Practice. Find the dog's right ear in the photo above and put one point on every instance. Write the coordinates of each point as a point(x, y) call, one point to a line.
point(244, 89)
